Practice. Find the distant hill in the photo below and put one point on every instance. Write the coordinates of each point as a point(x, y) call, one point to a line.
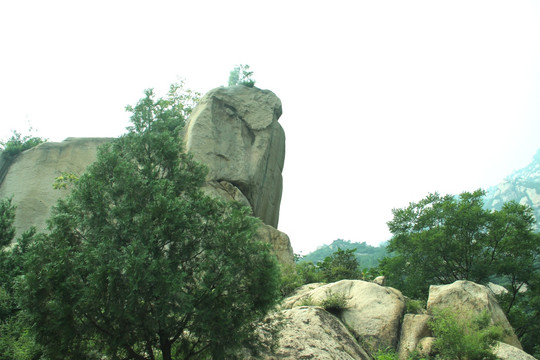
point(368, 256)
point(522, 186)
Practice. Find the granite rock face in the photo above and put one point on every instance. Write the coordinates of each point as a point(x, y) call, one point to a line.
point(373, 313)
point(309, 332)
point(30, 177)
point(236, 133)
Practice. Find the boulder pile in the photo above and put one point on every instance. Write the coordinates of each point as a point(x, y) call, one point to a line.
point(374, 318)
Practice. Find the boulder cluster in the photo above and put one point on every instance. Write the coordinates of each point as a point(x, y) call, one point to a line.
point(375, 318)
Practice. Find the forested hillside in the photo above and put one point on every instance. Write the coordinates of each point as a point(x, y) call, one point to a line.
point(368, 256)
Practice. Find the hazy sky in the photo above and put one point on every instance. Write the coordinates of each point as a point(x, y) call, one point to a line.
point(383, 101)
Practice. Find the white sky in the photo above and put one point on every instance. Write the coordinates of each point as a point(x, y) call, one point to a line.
point(384, 101)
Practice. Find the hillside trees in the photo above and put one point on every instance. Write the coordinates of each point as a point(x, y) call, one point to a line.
point(441, 239)
point(139, 264)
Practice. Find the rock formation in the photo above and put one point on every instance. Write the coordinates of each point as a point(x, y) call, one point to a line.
point(468, 296)
point(522, 186)
point(234, 131)
point(310, 332)
point(413, 330)
point(30, 177)
point(374, 315)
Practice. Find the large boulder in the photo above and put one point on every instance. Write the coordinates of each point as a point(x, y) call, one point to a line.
point(467, 296)
point(30, 177)
point(235, 132)
point(373, 313)
point(309, 332)
point(413, 330)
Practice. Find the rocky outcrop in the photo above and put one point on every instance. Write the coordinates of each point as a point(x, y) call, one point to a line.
point(236, 133)
point(31, 175)
point(522, 186)
point(309, 332)
point(467, 296)
point(374, 316)
point(373, 313)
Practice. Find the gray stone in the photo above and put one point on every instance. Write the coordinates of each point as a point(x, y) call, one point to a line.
point(309, 332)
point(373, 312)
point(30, 177)
point(508, 352)
point(413, 329)
point(235, 132)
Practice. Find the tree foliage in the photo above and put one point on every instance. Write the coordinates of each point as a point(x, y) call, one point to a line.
point(139, 263)
point(241, 75)
point(18, 143)
point(16, 342)
point(442, 239)
point(340, 265)
point(368, 256)
point(464, 336)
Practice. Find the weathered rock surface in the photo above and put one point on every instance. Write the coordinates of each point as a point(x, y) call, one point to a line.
point(279, 241)
point(30, 177)
point(414, 328)
point(468, 296)
point(373, 312)
point(425, 346)
point(309, 332)
point(235, 131)
point(508, 352)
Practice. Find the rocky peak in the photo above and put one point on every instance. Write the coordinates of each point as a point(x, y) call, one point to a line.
point(522, 186)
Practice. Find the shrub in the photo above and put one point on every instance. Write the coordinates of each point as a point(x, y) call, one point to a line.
point(464, 335)
point(307, 301)
point(414, 306)
point(334, 303)
point(18, 143)
point(290, 280)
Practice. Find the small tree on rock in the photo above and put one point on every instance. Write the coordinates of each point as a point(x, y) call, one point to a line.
point(241, 75)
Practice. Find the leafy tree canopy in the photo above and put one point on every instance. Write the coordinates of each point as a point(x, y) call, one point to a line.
point(442, 239)
point(139, 264)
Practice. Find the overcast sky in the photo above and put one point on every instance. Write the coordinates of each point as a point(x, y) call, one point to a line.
point(383, 101)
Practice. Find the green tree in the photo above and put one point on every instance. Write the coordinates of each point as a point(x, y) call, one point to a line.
point(241, 75)
point(342, 264)
point(442, 239)
point(139, 264)
point(18, 143)
point(15, 340)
